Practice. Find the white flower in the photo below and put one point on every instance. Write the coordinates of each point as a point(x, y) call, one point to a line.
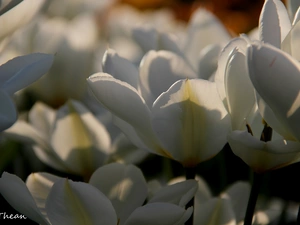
point(70, 139)
point(197, 50)
point(238, 90)
point(187, 123)
point(48, 199)
point(72, 41)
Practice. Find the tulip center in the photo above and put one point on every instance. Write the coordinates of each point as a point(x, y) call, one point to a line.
point(266, 134)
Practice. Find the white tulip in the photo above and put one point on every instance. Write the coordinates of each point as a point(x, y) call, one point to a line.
point(47, 199)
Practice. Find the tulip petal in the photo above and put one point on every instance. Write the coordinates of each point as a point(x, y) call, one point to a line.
point(236, 44)
point(126, 188)
point(238, 194)
point(120, 68)
point(291, 42)
point(159, 213)
point(25, 133)
point(239, 91)
point(125, 102)
point(274, 23)
point(149, 38)
point(269, 213)
point(263, 156)
point(14, 190)
point(86, 141)
point(19, 15)
point(21, 71)
point(208, 61)
point(42, 117)
point(146, 37)
point(203, 192)
point(39, 185)
point(79, 203)
point(179, 193)
point(159, 70)
point(8, 112)
point(8, 5)
point(292, 7)
point(125, 152)
point(191, 121)
point(130, 132)
point(169, 42)
point(275, 76)
point(120, 98)
point(284, 19)
point(215, 211)
point(297, 17)
point(204, 29)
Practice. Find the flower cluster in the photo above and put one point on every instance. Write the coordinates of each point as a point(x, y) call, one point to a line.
point(116, 111)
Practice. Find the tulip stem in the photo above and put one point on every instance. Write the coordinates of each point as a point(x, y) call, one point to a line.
point(257, 181)
point(190, 173)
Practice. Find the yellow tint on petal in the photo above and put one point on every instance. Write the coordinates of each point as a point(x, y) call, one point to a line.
point(75, 205)
point(81, 138)
point(78, 129)
point(193, 119)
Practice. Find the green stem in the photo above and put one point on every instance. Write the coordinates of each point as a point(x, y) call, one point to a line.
point(190, 173)
point(257, 181)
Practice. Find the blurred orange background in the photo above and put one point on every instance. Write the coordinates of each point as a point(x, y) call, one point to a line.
point(239, 16)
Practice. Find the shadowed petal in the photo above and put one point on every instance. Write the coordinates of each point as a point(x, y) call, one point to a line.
point(14, 190)
point(208, 61)
point(191, 121)
point(263, 156)
point(21, 71)
point(238, 194)
point(291, 42)
point(126, 188)
point(124, 151)
point(39, 185)
point(25, 133)
point(204, 29)
point(120, 68)
point(8, 113)
point(203, 191)
point(179, 193)
point(79, 203)
point(125, 102)
point(292, 7)
point(86, 141)
point(150, 39)
point(215, 211)
point(130, 132)
point(42, 117)
point(159, 213)
point(275, 76)
point(159, 70)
